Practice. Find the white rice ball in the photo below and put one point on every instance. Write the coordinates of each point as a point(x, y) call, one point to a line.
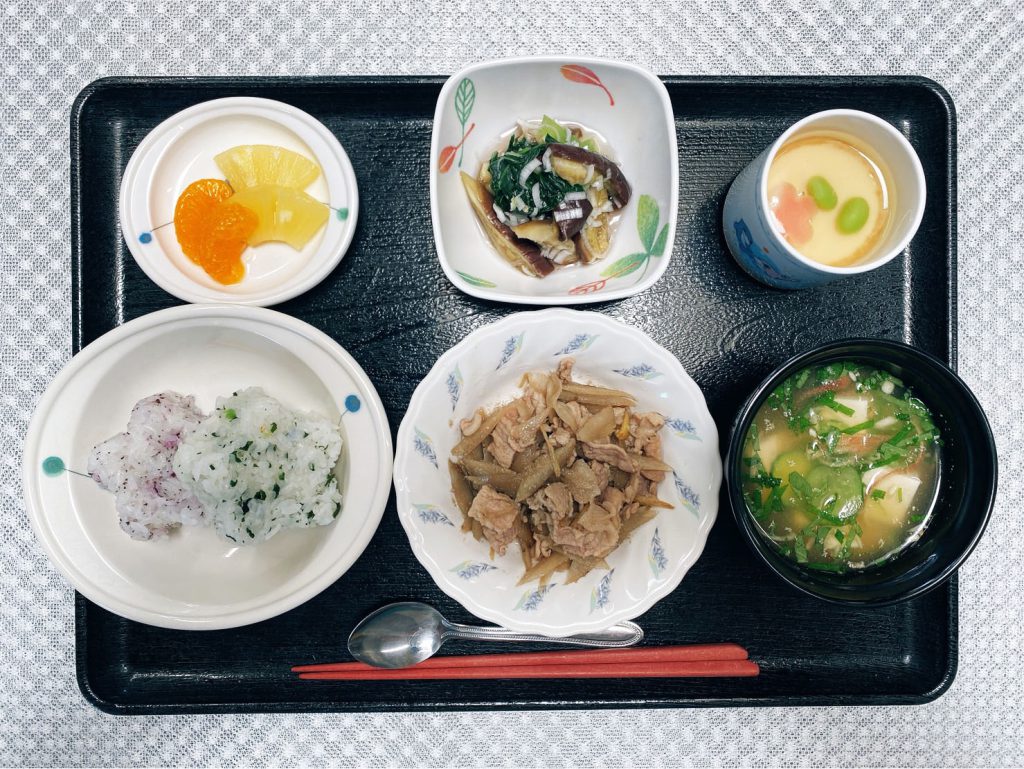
point(258, 467)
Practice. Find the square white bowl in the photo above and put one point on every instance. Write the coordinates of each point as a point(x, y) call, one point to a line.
point(627, 105)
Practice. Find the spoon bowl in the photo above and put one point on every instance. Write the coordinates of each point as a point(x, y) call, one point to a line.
point(398, 635)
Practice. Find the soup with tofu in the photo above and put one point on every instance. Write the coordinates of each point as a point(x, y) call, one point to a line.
point(841, 466)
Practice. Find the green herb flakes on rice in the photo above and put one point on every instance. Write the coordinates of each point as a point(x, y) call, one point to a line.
point(258, 467)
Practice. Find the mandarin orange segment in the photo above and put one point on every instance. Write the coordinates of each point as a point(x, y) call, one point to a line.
point(212, 233)
point(221, 253)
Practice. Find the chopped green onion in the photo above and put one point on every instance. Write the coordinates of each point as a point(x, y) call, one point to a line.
point(230, 414)
point(899, 494)
point(828, 398)
point(879, 463)
point(800, 550)
point(857, 428)
point(897, 439)
point(878, 494)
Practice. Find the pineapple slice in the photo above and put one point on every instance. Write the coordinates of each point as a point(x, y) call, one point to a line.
point(249, 165)
point(284, 214)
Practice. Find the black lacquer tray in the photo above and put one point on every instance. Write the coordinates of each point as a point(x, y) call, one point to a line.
point(391, 307)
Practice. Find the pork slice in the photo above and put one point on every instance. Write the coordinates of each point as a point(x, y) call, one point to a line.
point(633, 486)
point(565, 369)
point(500, 449)
point(612, 500)
point(497, 515)
point(572, 414)
point(601, 473)
point(582, 481)
point(610, 453)
point(629, 510)
point(644, 427)
point(653, 449)
point(594, 534)
point(560, 436)
point(555, 499)
point(519, 432)
point(471, 424)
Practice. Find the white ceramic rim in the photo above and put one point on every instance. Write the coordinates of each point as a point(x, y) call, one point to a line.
point(915, 163)
point(50, 543)
point(186, 289)
point(449, 587)
point(569, 299)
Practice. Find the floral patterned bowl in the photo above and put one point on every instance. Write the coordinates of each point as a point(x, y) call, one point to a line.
point(484, 370)
point(625, 104)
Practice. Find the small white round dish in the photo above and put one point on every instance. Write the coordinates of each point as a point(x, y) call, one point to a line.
point(484, 370)
point(182, 149)
point(627, 105)
point(193, 579)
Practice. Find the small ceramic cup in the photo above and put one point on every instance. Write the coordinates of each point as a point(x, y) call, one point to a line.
point(767, 256)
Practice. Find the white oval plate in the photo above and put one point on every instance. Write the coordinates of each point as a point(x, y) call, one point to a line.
point(181, 150)
point(193, 579)
point(624, 103)
point(484, 370)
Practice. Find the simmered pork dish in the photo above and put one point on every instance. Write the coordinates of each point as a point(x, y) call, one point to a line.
point(566, 471)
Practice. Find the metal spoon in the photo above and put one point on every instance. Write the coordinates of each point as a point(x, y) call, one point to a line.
point(402, 634)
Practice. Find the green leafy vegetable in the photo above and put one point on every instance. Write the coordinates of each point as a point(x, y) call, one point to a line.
point(511, 196)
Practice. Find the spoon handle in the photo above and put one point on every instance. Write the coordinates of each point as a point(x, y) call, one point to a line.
point(623, 634)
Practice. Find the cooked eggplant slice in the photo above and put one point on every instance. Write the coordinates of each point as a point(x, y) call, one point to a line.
point(568, 160)
point(547, 235)
point(522, 254)
point(592, 242)
point(539, 231)
point(570, 216)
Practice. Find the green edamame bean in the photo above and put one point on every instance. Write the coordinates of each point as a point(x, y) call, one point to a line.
point(822, 193)
point(853, 215)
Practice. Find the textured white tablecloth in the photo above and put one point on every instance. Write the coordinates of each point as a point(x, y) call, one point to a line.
point(50, 50)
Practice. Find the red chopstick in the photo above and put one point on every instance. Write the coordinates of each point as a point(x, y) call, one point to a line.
point(691, 653)
point(700, 669)
point(649, 654)
point(695, 661)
